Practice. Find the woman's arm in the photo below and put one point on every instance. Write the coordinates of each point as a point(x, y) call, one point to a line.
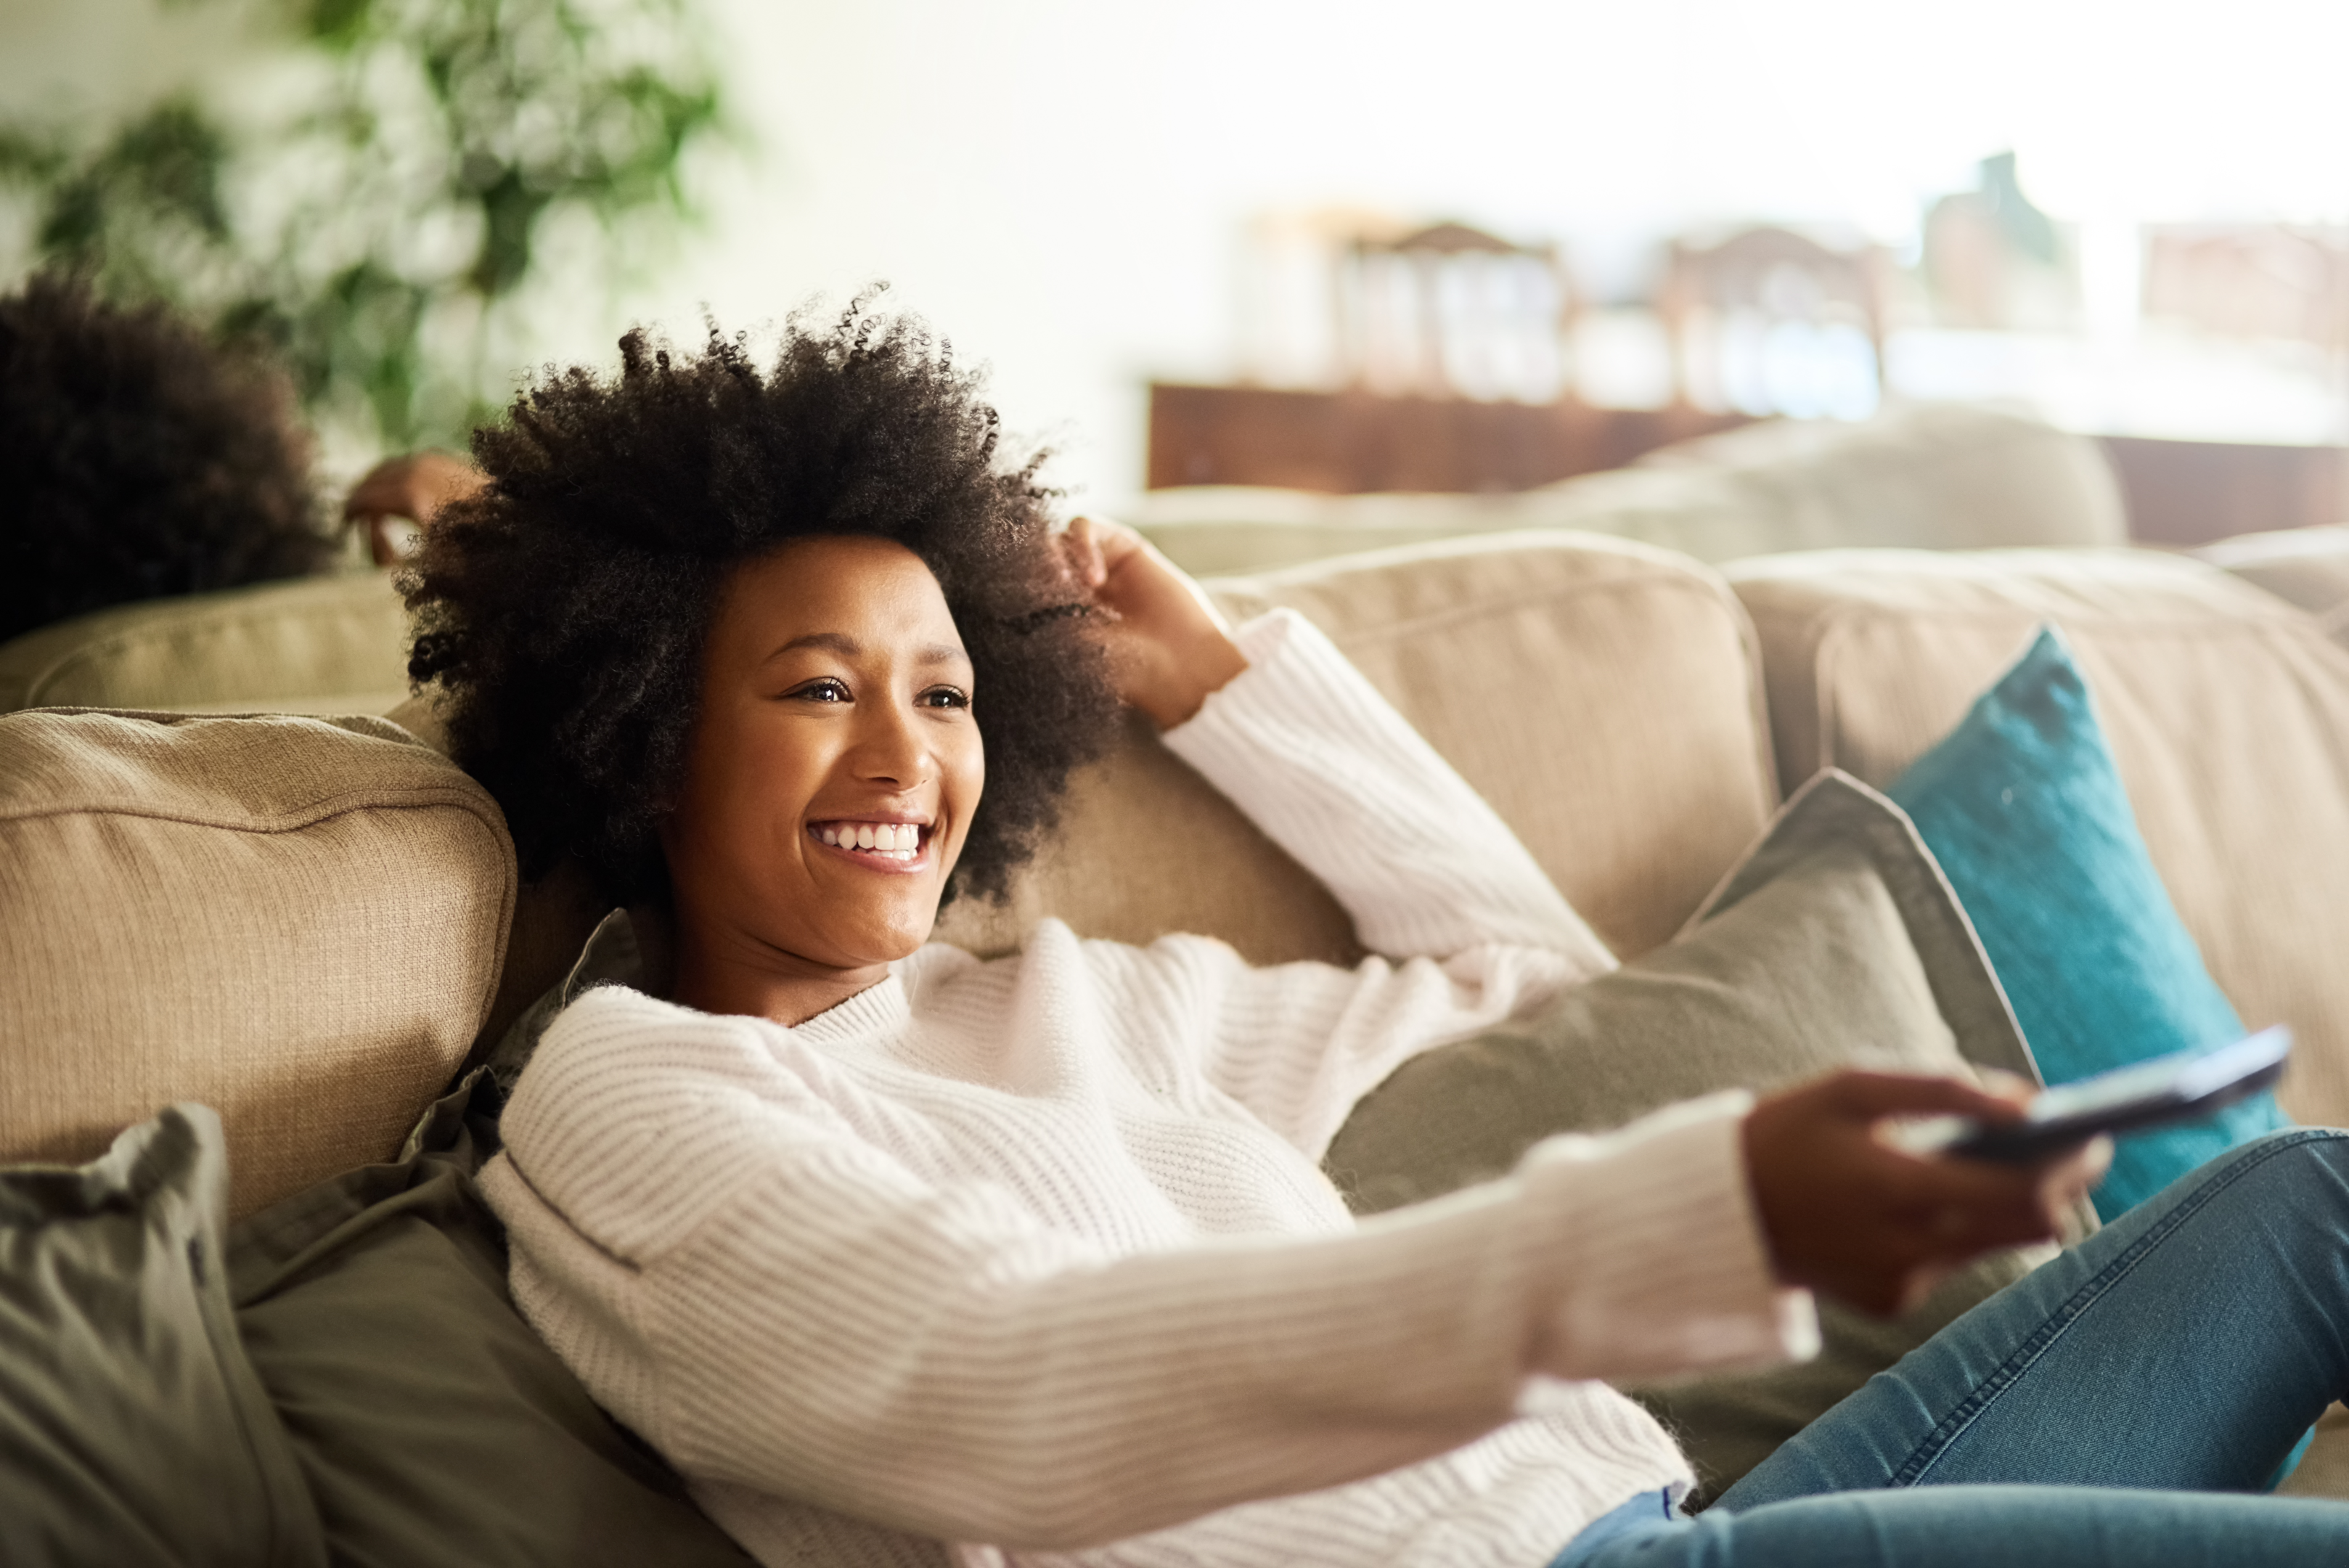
point(1284, 725)
point(777, 1303)
point(1277, 719)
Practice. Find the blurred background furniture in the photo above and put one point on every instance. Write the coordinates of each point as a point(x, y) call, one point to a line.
point(1992, 260)
point(1768, 321)
point(1935, 476)
point(2210, 363)
point(1451, 311)
point(1349, 442)
point(2258, 282)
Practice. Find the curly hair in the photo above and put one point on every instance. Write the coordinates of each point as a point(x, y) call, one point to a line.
point(563, 611)
point(138, 458)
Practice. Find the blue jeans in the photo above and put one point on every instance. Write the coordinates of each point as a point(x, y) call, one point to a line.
point(2123, 1405)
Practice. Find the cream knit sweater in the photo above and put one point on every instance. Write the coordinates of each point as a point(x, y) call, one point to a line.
point(1034, 1256)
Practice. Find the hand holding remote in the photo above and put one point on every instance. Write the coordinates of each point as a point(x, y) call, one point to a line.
point(1848, 1214)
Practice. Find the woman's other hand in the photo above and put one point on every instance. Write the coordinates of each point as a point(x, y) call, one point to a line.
point(1846, 1214)
point(410, 488)
point(1168, 645)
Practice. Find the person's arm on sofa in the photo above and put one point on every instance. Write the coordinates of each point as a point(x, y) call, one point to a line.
point(1323, 762)
point(776, 1302)
point(1277, 719)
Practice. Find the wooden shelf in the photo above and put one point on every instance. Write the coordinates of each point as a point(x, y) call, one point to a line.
point(2178, 492)
point(1349, 442)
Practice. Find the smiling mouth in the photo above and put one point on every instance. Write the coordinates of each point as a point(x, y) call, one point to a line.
point(890, 843)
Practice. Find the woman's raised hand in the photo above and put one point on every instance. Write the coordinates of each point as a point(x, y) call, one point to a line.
point(1848, 1215)
point(1168, 645)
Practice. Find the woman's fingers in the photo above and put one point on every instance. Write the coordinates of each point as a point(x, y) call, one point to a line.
point(1081, 550)
point(1168, 646)
point(1875, 1095)
point(1872, 1225)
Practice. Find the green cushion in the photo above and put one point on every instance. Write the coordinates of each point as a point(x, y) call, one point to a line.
point(131, 1429)
point(2023, 807)
point(1835, 941)
point(433, 1425)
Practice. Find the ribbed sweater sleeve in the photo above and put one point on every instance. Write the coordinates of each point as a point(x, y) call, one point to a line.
point(779, 1304)
point(1472, 929)
point(1324, 764)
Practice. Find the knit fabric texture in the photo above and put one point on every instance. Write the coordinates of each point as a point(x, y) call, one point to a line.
point(1031, 1261)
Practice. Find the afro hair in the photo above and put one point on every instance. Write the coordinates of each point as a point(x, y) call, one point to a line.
point(563, 611)
point(138, 458)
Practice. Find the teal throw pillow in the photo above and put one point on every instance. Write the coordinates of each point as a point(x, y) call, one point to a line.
point(2023, 808)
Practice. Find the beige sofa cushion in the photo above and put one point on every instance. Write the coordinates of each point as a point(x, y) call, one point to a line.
point(297, 922)
point(2306, 567)
point(1599, 693)
point(315, 644)
point(2228, 711)
point(1932, 475)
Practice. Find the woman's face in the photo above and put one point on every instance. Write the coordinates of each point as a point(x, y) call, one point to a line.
point(834, 764)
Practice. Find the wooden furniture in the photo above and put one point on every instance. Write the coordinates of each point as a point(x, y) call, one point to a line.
point(2251, 282)
point(2185, 492)
point(2177, 492)
point(1353, 442)
point(1761, 321)
point(1452, 311)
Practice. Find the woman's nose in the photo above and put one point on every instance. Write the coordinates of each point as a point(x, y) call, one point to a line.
point(891, 749)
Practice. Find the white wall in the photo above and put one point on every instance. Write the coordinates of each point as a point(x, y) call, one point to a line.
point(1061, 185)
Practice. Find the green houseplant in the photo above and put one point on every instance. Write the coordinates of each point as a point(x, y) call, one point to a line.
point(435, 168)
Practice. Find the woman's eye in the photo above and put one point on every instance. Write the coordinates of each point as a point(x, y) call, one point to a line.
point(944, 697)
point(824, 690)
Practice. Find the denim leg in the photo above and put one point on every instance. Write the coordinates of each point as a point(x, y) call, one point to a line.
point(2004, 1526)
point(2187, 1345)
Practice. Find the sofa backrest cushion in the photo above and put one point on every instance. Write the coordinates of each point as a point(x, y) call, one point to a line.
point(1599, 693)
point(2307, 567)
point(295, 921)
point(2227, 710)
point(1929, 475)
point(314, 645)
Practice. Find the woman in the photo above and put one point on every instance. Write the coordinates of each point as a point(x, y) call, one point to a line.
point(884, 1246)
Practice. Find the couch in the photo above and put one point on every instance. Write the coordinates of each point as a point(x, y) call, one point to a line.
point(312, 924)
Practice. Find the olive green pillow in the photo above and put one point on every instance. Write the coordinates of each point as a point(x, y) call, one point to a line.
point(131, 1429)
point(432, 1423)
point(1836, 941)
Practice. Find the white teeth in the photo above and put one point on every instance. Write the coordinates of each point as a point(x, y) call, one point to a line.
point(897, 840)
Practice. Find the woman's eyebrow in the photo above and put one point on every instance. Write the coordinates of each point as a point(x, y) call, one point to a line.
point(839, 642)
point(847, 647)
